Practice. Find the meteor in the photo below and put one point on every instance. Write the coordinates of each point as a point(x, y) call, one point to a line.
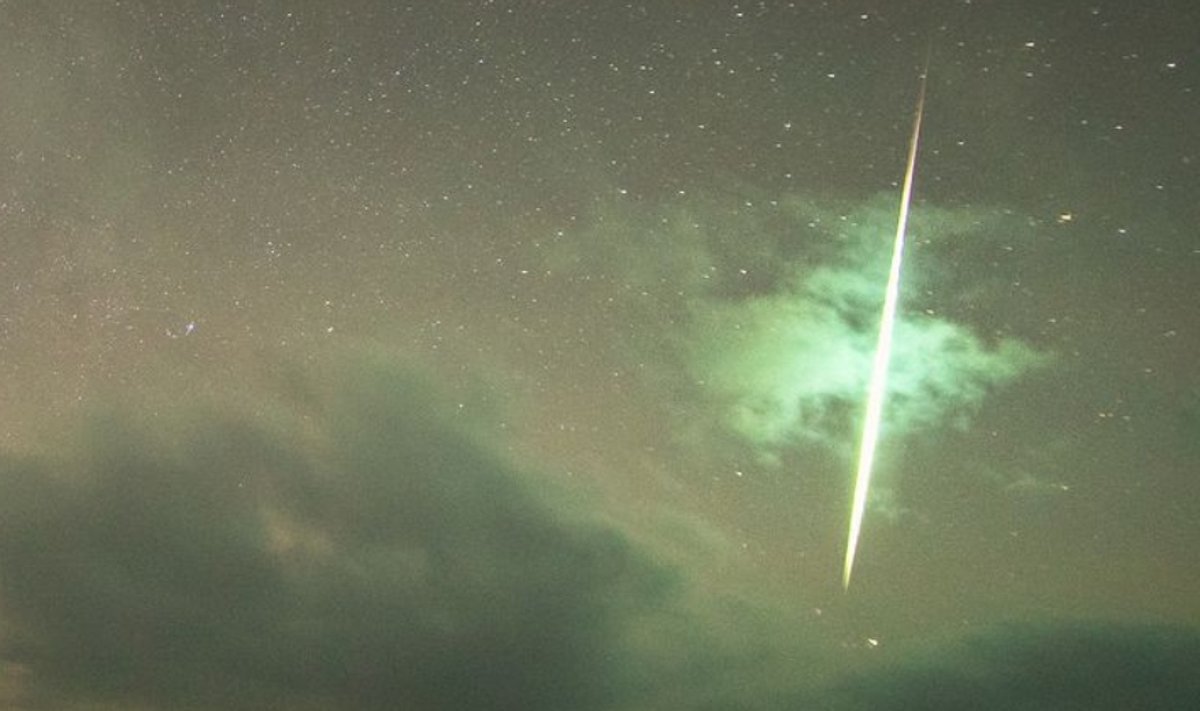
point(877, 390)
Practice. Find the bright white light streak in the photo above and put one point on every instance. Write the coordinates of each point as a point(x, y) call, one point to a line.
point(877, 391)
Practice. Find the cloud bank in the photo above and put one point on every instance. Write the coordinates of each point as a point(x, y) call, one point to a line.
point(355, 546)
point(356, 549)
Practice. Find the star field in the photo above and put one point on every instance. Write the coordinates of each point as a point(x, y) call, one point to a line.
point(493, 354)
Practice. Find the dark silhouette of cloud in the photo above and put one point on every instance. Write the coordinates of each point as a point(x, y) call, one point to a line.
point(1096, 667)
point(358, 550)
point(359, 545)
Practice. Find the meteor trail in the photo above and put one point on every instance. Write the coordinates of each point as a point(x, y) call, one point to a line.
point(883, 350)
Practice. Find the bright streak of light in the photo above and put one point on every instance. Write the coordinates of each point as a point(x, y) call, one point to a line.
point(877, 391)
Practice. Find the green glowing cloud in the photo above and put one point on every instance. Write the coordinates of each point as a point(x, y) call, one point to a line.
point(768, 312)
point(792, 364)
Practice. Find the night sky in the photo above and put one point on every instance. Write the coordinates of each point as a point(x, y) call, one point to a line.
point(487, 354)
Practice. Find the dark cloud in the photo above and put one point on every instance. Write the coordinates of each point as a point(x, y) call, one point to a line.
point(1032, 668)
point(356, 549)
